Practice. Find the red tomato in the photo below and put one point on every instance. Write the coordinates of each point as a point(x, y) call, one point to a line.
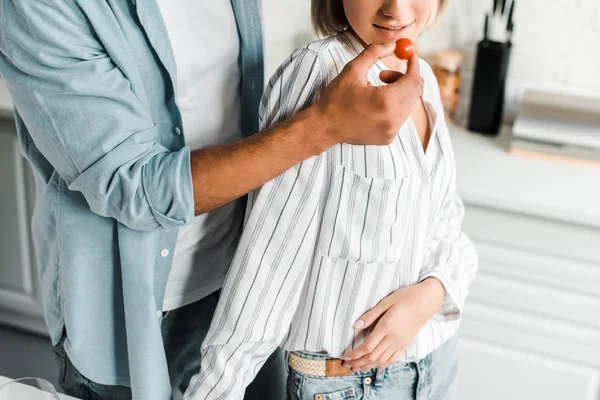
point(405, 49)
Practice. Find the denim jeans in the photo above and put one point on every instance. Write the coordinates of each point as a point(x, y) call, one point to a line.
point(183, 331)
point(432, 378)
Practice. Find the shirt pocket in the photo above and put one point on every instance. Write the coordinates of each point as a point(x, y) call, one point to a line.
point(365, 218)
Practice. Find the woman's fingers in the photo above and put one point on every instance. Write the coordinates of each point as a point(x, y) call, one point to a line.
point(369, 318)
point(371, 359)
point(368, 346)
point(385, 358)
point(394, 358)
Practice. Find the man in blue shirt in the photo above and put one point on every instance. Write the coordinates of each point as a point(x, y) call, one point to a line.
point(94, 84)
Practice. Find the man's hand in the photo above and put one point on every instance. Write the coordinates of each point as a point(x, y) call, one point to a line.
point(350, 110)
point(355, 112)
point(401, 316)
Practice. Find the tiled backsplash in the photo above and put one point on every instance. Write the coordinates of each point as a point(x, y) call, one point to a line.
point(556, 42)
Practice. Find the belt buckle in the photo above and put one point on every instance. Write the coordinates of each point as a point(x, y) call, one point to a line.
point(334, 367)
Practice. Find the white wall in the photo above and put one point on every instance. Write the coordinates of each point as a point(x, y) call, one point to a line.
point(556, 42)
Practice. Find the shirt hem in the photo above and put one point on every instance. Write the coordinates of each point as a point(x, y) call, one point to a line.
point(174, 303)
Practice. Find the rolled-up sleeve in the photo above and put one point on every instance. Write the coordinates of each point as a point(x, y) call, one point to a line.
point(87, 121)
point(266, 277)
point(452, 258)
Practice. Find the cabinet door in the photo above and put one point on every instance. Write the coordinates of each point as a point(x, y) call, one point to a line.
point(531, 327)
point(19, 288)
point(499, 372)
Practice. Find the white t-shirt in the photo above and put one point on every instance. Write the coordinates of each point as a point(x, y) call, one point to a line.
point(206, 48)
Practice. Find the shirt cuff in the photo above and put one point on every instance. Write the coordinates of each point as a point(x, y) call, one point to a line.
point(169, 190)
point(452, 306)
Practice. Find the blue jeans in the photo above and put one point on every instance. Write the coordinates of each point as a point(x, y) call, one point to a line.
point(432, 378)
point(183, 331)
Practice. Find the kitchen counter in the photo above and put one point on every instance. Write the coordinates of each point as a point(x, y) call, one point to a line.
point(24, 392)
point(488, 176)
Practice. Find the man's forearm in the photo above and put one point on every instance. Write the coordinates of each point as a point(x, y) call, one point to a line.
point(360, 114)
point(224, 173)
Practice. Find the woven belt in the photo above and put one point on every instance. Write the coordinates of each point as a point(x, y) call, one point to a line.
point(331, 367)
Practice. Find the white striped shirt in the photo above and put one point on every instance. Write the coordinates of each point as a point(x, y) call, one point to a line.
point(328, 239)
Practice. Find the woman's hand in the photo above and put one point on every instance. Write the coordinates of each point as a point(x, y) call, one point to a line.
point(401, 316)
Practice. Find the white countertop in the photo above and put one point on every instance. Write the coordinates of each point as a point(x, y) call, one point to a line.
point(487, 175)
point(24, 392)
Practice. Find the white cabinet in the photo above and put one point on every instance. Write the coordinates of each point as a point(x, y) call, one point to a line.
point(531, 326)
point(532, 323)
point(19, 288)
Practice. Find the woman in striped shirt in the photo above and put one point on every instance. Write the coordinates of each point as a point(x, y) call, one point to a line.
point(354, 261)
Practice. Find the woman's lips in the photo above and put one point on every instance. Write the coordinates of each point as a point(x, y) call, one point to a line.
point(392, 33)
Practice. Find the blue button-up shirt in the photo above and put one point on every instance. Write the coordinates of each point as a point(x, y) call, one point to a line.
point(93, 83)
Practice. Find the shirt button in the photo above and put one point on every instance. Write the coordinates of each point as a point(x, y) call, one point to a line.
point(177, 130)
point(159, 314)
point(164, 253)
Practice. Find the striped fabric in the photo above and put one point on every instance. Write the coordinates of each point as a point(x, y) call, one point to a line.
point(331, 237)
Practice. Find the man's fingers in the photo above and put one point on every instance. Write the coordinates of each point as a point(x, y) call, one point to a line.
point(412, 67)
point(388, 76)
point(412, 76)
point(365, 60)
point(412, 70)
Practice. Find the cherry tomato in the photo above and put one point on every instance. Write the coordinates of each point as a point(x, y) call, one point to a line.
point(405, 49)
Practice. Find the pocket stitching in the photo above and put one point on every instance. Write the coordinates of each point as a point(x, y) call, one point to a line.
point(340, 180)
point(342, 394)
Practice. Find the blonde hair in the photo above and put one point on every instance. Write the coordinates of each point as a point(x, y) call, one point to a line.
point(329, 18)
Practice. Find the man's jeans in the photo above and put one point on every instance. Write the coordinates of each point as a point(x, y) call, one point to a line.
point(432, 378)
point(183, 331)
